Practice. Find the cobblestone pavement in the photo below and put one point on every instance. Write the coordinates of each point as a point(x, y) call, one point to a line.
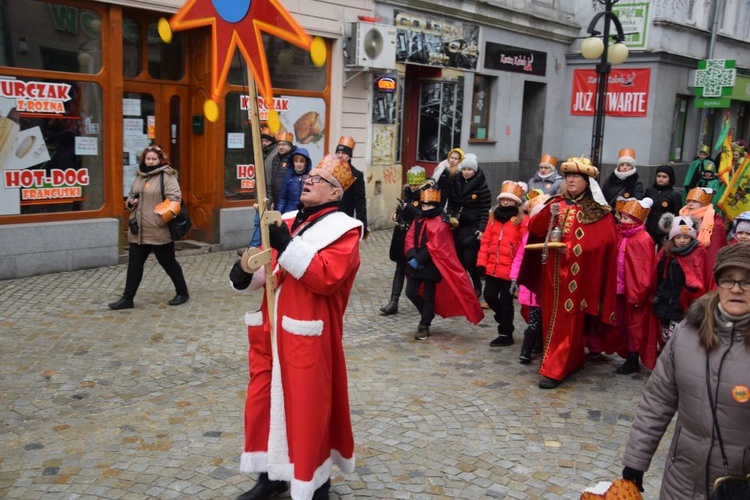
point(147, 403)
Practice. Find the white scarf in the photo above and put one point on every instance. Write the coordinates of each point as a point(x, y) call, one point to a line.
point(624, 175)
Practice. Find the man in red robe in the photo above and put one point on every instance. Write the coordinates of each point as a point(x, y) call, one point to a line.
point(297, 420)
point(578, 273)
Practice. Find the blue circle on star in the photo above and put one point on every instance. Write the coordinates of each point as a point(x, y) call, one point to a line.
point(231, 11)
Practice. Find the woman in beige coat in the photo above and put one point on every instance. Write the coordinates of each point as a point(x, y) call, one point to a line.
point(703, 375)
point(148, 232)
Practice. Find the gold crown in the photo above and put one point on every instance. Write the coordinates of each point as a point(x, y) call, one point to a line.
point(550, 160)
point(705, 149)
point(340, 170)
point(633, 208)
point(266, 131)
point(347, 141)
point(579, 165)
point(513, 188)
point(627, 152)
point(283, 135)
point(534, 193)
point(429, 195)
point(700, 195)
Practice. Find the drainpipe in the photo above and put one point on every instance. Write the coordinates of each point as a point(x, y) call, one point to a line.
point(706, 114)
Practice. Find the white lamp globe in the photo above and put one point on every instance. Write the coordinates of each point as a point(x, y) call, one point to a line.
point(617, 53)
point(592, 47)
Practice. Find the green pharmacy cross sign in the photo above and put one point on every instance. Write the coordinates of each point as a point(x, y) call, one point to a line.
point(714, 81)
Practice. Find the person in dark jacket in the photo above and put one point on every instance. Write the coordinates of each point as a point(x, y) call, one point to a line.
point(354, 202)
point(281, 164)
point(702, 377)
point(445, 172)
point(294, 181)
point(406, 210)
point(469, 202)
point(666, 200)
point(623, 182)
point(270, 152)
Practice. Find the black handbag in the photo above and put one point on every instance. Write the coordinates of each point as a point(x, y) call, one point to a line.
point(725, 487)
point(181, 224)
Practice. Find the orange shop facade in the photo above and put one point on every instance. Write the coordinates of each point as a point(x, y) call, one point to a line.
point(85, 87)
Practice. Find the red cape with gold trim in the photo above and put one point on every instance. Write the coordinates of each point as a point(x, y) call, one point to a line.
point(454, 295)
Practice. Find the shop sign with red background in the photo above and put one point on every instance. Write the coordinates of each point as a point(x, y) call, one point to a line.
point(627, 92)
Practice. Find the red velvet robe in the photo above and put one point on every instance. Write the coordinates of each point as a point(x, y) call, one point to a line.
point(454, 294)
point(579, 284)
point(297, 420)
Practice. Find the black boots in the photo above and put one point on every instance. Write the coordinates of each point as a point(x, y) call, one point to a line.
point(391, 307)
point(504, 337)
point(532, 343)
point(123, 303)
point(179, 299)
point(423, 332)
point(322, 492)
point(265, 489)
point(548, 383)
point(630, 365)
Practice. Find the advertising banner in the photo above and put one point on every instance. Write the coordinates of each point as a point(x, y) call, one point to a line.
point(627, 92)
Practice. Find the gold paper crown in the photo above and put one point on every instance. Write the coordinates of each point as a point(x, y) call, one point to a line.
point(429, 195)
point(700, 195)
point(266, 131)
point(708, 166)
point(533, 194)
point(634, 209)
point(340, 170)
point(347, 141)
point(283, 135)
point(579, 165)
point(416, 175)
point(627, 152)
point(551, 160)
point(705, 149)
point(513, 188)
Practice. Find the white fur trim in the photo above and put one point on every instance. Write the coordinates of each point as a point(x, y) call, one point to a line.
point(302, 249)
point(626, 159)
point(251, 462)
point(279, 466)
point(312, 328)
point(254, 318)
point(509, 196)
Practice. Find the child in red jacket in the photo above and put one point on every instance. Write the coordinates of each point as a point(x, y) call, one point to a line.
point(501, 244)
point(636, 258)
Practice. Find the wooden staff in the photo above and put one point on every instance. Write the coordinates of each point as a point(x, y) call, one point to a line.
point(254, 258)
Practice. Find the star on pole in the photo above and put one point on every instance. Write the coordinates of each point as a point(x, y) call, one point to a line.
point(239, 24)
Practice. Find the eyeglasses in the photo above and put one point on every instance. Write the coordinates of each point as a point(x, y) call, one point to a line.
point(728, 284)
point(316, 179)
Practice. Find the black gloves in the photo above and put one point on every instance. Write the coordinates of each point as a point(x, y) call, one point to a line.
point(633, 475)
point(280, 237)
point(239, 278)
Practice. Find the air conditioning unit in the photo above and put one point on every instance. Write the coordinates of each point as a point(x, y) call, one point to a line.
point(371, 46)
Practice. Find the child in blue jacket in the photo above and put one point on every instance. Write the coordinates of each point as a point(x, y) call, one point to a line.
point(293, 182)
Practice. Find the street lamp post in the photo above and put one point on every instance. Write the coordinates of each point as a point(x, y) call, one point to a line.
point(597, 46)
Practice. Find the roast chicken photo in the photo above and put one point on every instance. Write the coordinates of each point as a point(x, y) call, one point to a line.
point(308, 128)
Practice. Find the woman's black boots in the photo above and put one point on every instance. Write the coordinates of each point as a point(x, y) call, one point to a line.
point(630, 365)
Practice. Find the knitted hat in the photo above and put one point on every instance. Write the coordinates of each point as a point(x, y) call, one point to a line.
point(548, 161)
point(627, 155)
point(339, 172)
point(513, 191)
point(457, 150)
point(682, 225)
point(743, 226)
point(346, 144)
point(469, 161)
point(666, 169)
point(732, 256)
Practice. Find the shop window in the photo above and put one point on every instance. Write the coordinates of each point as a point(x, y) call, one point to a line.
point(165, 60)
point(289, 67)
point(239, 169)
point(480, 108)
point(50, 36)
point(131, 48)
point(677, 140)
point(440, 118)
point(52, 150)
